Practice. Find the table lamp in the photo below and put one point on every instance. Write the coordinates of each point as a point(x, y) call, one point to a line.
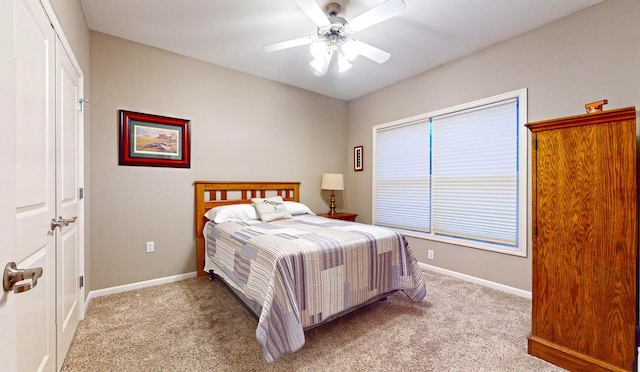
point(333, 182)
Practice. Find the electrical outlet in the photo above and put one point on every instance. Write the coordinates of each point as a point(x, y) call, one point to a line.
point(150, 247)
point(430, 254)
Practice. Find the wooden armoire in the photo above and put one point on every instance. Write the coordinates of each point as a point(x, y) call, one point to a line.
point(585, 241)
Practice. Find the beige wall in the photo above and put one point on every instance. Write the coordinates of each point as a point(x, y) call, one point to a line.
point(75, 30)
point(588, 56)
point(247, 128)
point(243, 128)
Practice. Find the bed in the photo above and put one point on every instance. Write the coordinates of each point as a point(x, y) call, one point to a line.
point(296, 270)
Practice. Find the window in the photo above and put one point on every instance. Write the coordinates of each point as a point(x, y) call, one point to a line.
point(458, 175)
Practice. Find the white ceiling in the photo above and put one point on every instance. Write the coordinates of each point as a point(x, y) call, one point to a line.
point(231, 34)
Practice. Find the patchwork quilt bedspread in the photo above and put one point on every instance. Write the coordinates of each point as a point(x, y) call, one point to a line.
point(305, 269)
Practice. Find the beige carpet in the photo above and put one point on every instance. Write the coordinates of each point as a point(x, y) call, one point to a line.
point(197, 325)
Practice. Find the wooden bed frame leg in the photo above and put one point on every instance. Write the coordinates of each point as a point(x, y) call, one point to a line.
point(212, 276)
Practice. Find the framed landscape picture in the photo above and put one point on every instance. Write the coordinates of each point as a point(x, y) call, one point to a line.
point(154, 141)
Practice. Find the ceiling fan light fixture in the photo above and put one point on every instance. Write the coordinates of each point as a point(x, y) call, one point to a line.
point(318, 65)
point(321, 65)
point(350, 50)
point(319, 49)
point(343, 63)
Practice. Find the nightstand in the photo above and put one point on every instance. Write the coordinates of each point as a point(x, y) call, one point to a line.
point(345, 216)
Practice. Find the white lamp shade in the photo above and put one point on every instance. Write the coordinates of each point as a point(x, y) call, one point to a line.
point(332, 181)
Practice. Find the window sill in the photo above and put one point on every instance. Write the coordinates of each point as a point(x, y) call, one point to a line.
point(464, 243)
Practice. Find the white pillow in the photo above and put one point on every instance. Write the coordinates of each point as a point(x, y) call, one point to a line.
point(271, 209)
point(298, 208)
point(232, 212)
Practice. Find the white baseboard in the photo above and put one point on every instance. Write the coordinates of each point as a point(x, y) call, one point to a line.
point(138, 285)
point(175, 278)
point(473, 279)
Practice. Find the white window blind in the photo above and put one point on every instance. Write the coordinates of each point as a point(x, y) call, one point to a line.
point(402, 177)
point(456, 175)
point(475, 174)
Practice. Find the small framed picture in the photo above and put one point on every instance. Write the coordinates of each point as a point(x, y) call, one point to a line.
point(154, 141)
point(357, 158)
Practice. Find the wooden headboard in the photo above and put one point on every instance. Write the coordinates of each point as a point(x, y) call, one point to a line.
point(211, 194)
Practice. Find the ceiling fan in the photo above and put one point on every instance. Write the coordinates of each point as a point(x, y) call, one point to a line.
point(335, 34)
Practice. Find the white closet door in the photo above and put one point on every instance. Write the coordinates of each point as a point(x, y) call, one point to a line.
point(34, 53)
point(68, 203)
point(8, 172)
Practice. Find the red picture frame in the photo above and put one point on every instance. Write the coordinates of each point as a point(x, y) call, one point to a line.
point(358, 158)
point(153, 140)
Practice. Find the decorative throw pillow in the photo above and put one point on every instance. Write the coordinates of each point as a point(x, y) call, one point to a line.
point(297, 208)
point(271, 209)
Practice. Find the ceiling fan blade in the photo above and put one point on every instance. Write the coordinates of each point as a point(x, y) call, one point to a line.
point(314, 12)
point(289, 43)
point(382, 12)
point(371, 52)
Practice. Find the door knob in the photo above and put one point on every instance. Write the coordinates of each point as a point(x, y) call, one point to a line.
point(62, 222)
point(13, 275)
